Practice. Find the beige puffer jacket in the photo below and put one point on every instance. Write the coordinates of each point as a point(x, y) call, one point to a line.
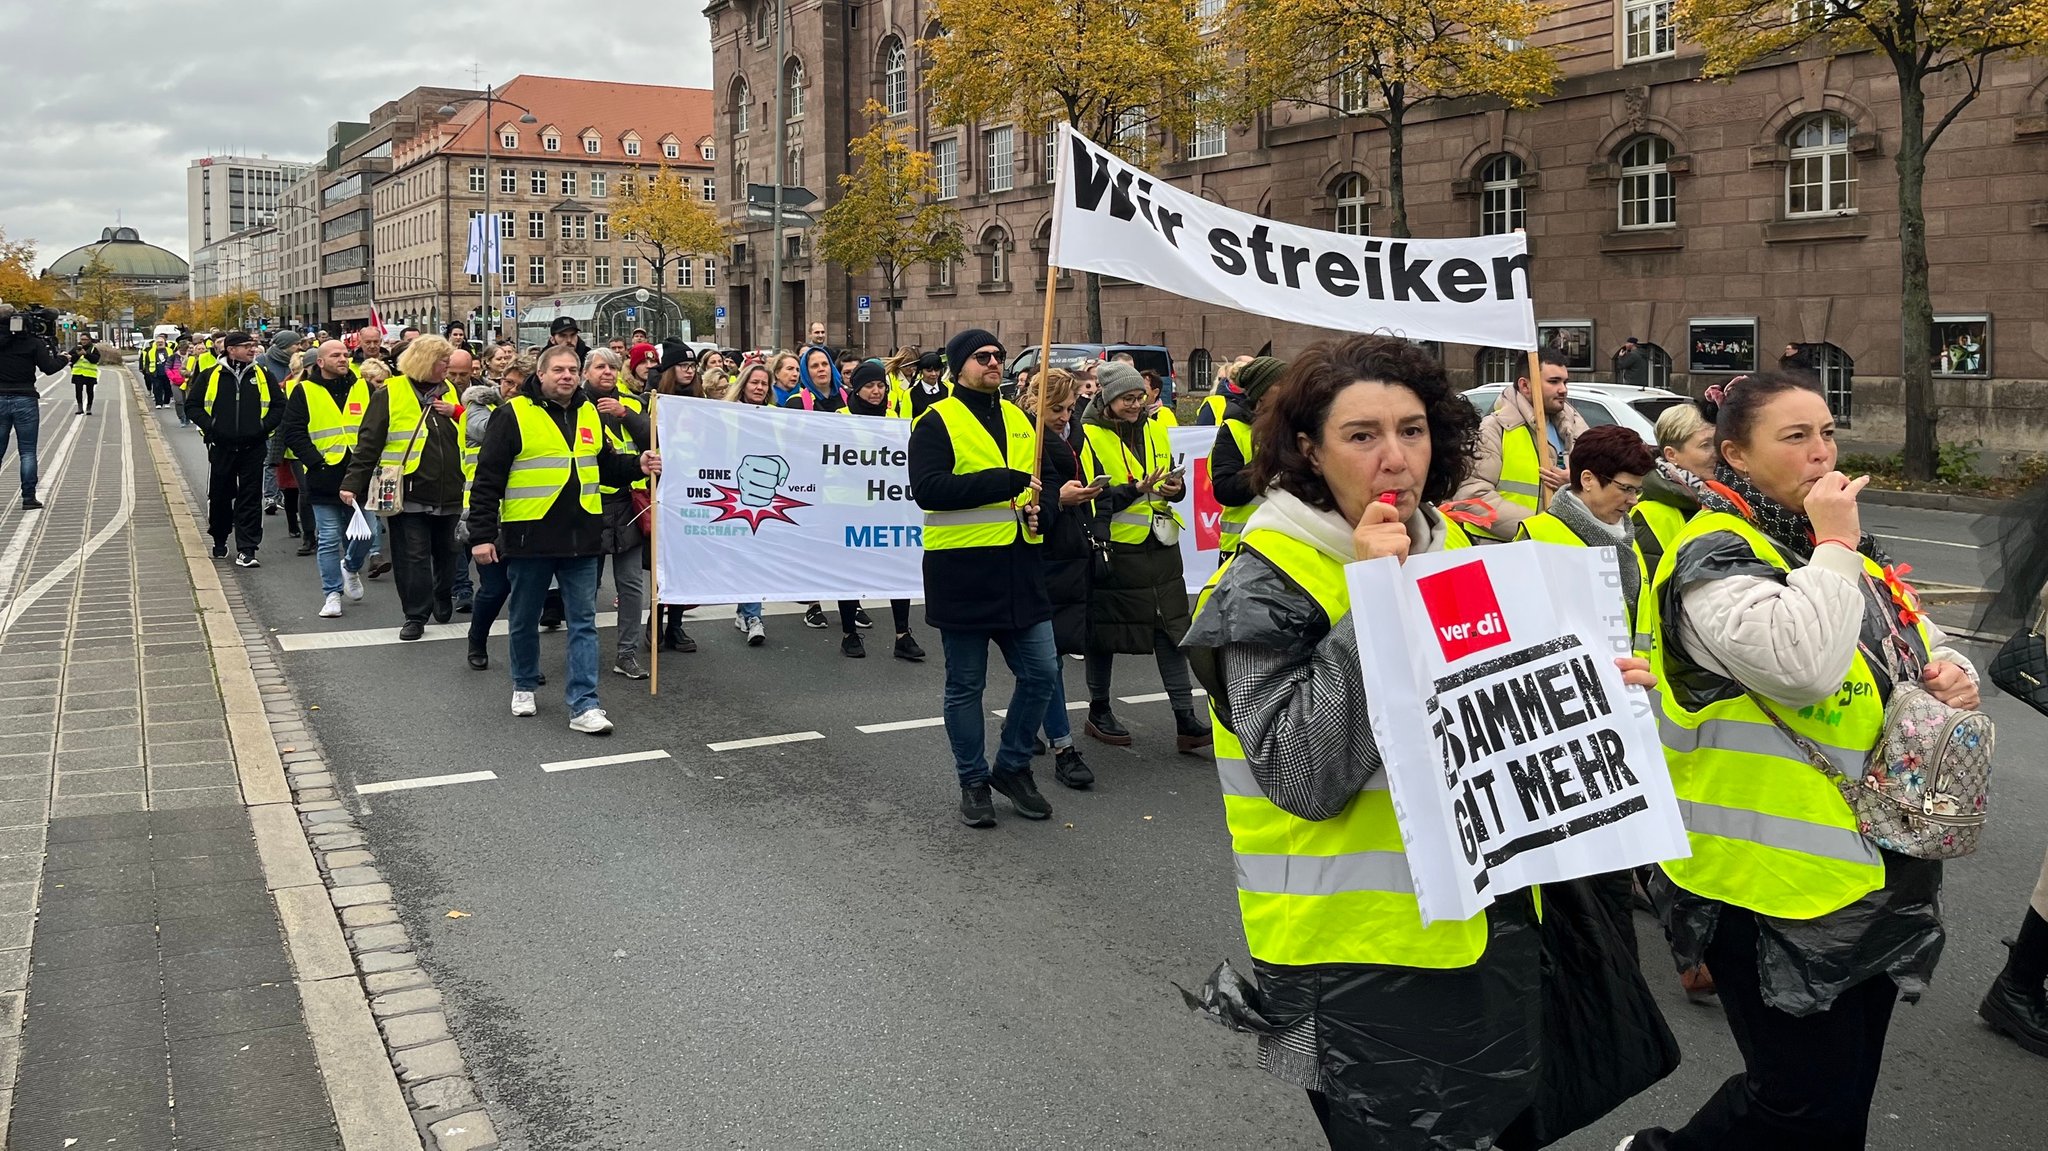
point(1482, 482)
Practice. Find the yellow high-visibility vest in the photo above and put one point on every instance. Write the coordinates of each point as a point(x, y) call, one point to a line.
point(546, 460)
point(1105, 454)
point(213, 387)
point(1231, 526)
point(403, 402)
point(974, 450)
point(334, 427)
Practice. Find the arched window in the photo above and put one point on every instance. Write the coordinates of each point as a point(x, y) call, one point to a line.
point(793, 85)
point(1500, 365)
point(995, 259)
point(742, 99)
point(793, 166)
point(764, 20)
point(1353, 214)
point(1500, 195)
point(1648, 197)
point(1820, 178)
point(1201, 371)
point(942, 273)
point(895, 78)
point(1837, 372)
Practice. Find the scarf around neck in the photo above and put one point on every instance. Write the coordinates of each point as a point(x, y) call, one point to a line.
point(1791, 530)
point(1572, 511)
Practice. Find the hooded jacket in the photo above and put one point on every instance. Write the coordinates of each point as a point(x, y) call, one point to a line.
point(820, 401)
point(566, 530)
point(1482, 482)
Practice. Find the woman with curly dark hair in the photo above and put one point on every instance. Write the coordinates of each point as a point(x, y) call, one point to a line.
point(1405, 1035)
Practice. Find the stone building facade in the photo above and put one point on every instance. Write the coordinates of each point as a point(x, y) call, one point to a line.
point(553, 183)
point(1718, 222)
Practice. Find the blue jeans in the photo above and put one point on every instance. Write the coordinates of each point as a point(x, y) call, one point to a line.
point(331, 522)
point(749, 611)
point(1035, 664)
point(529, 577)
point(462, 587)
point(21, 418)
point(1059, 727)
point(492, 589)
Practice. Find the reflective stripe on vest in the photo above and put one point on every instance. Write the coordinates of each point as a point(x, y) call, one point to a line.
point(1520, 472)
point(262, 390)
point(542, 469)
point(1768, 831)
point(1230, 527)
point(401, 445)
point(1105, 454)
point(974, 450)
point(335, 427)
point(86, 370)
point(1334, 890)
point(622, 441)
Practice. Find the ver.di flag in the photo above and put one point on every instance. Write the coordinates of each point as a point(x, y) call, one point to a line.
point(1116, 220)
point(774, 505)
point(1515, 754)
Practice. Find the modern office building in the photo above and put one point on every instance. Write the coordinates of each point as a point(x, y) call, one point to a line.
point(228, 194)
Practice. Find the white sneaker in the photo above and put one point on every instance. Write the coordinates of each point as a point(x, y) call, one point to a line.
point(352, 583)
point(739, 622)
point(1627, 1142)
point(756, 634)
point(330, 608)
point(522, 703)
point(592, 722)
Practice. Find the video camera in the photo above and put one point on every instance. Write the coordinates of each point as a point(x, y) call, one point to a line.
point(33, 320)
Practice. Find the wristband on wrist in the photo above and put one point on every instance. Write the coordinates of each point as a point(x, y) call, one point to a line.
point(1835, 540)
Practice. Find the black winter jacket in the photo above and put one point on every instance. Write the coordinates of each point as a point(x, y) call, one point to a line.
point(1229, 471)
point(622, 530)
point(23, 359)
point(975, 589)
point(238, 415)
point(566, 530)
point(1068, 561)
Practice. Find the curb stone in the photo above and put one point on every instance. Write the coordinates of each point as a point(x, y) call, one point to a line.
point(424, 1062)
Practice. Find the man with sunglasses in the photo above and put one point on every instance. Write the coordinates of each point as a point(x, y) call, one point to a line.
point(973, 457)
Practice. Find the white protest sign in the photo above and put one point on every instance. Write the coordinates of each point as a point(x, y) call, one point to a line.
point(1201, 542)
point(1514, 752)
point(1116, 220)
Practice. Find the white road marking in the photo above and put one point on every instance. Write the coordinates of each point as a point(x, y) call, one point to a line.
point(1936, 543)
point(766, 741)
point(1072, 705)
point(424, 781)
point(114, 525)
point(49, 477)
point(1155, 697)
point(604, 760)
point(900, 725)
point(383, 636)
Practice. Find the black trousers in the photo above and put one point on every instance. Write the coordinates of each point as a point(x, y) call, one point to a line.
point(422, 553)
point(82, 388)
point(234, 493)
point(160, 389)
point(898, 608)
point(1806, 1082)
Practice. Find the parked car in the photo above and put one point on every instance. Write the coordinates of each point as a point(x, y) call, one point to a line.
point(1147, 357)
point(1636, 409)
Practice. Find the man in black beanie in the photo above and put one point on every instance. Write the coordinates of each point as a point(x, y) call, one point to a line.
point(972, 466)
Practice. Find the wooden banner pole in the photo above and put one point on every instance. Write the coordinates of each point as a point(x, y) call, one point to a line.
point(1541, 428)
point(1052, 284)
point(653, 557)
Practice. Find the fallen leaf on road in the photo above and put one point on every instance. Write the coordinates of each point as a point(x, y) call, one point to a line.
point(454, 914)
point(314, 707)
point(1070, 827)
point(288, 750)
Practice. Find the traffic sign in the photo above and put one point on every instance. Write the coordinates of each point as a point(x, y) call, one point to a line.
point(632, 313)
point(862, 307)
point(721, 315)
point(511, 302)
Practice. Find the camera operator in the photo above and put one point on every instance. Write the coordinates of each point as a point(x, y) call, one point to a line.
point(27, 353)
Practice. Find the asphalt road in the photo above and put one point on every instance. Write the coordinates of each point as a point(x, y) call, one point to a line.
point(797, 945)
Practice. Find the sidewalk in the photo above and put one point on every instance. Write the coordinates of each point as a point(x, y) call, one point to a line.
point(149, 853)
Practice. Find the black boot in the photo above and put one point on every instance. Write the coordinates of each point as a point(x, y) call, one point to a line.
point(1071, 770)
point(479, 655)
point(1190, 734)
point(2016, 1005)
point(672, 629)
point(1102, 725)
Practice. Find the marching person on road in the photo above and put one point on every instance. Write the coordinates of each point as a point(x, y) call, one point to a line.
point(85, 373)
point(535, 507)
point(972, 460)
point(25, 358)
point(1507, 472)
point(1068, 559)
point(868, 395)
point(823, 390)
point(1140, 604)
point(155, 361)
point(926, 387)
point(1686, 457)
point(322, 419)
point(1230, 459)
point(237, 406)
point(411, 428)
point(479, 404)
point(1813, 931)
point(755, 386)
point(461, 374)
point(788, 376)
point(625, 536)
point(1157, 410)
point(276, 362)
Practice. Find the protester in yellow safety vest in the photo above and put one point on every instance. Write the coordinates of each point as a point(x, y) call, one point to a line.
point(899, 369)
point(1507, 470)
point(973, 471)
point(624, 421)
point(1813, 932)
point(1230, 459)
point(1685, 444)
point(85, 373)
point(1607, 469)
point(535, 507)
point(1406, 1036)
point(867, 394)
point(1228, 387)
point(412, 428)
point(322, 418)
point(925, 387)
point(156, 362)
point(237, 407)
point(479, 404)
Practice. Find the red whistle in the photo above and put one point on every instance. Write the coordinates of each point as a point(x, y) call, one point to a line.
point(1390, 498)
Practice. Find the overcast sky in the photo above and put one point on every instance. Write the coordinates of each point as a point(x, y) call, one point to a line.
point(103, 103)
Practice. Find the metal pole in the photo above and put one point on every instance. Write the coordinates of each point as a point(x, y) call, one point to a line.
point(775, 167)
point(490, 240)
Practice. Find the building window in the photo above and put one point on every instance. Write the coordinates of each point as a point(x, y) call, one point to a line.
point(568, 272)
point(1201, 371)
point(685, 272)
point(508, 139)
point(508, 269)
point(793, 246)
point(574, 226)
point(1648, 30)
point(710, 272)
point(1500, 365)
point(670, 150)
point(1649, 198)
point(597, 185)
point(742, 99)
point(793, 167)
point(508, 180)
point(764, 20)
point(476, 178)
point(995, 263)
point(568, 183)
point(895, 78)
point(1659, 361)
point(685, 180)
point(942, 275)
point(946, 167)
point(602, 273)
point(537, 270)
point(590, 145)
point(536, 225)
point(1207, 140)
point(632, 147)
point(629, 271)
point(1353, 90)
point(793, 88)
point(998, 143)
point(583, 273)
point(508, 226)
point(1500, 195)
point(537, 182)
point(1353, 213)
point(1821, 177)
point(710, 192)
point(1049, 164)
point(707, 151)
point(550, 142)
point(601, 226)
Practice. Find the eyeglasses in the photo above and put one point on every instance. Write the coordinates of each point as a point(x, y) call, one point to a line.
point(1633, 491)
point(986, 358)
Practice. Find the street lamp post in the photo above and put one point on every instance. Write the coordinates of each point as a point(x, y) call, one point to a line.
point(490, 241)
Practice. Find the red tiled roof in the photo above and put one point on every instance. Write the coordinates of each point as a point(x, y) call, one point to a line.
point(571, 106)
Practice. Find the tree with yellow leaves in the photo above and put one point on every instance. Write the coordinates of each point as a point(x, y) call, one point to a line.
point(888, 215)
point(98, 295)
point(1125, 73)
point(667, 218)
point(1384, 58)
point(19, 284)
point(1923, 40)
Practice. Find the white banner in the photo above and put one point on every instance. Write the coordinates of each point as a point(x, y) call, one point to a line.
point(1513, 750)
point(772, 505)
point(1116, 220)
